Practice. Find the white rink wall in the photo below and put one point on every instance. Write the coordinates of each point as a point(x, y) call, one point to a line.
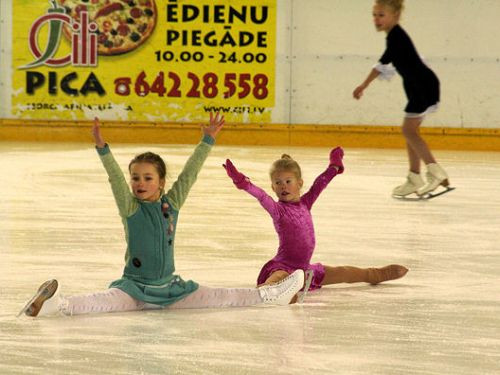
point(325, 48)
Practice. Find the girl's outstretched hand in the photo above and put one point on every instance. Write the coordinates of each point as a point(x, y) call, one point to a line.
point(336, 156)
point(358, 92)
point(96, 132)
point(215, 125)
point(239, 179)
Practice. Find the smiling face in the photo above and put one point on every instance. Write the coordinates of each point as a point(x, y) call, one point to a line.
point(145, 181)
point(286, 185)
point(384, 17)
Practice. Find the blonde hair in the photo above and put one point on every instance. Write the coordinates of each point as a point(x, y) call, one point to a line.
point(286, 164)
point(395, 5)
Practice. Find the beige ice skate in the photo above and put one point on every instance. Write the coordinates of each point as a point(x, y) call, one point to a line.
point(46, 300)
point(283, 291)
point(391, 272)
point(435, 176)
point(413, 182)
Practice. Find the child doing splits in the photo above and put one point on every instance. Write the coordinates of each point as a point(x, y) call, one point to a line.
point(292, 220)
point(149, 217)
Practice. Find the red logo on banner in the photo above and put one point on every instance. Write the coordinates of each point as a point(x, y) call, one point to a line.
point(83, 39)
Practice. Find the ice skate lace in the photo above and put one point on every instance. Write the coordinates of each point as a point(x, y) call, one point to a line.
point(273, 292)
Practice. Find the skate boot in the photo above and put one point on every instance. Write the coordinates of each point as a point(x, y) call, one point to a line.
point(45, 302)
point(282, 292)
point(392, 272)
point(413, 183)
point(309, 274)
point(435, 176)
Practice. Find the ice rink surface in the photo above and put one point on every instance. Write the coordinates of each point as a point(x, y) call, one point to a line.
point(58, 220)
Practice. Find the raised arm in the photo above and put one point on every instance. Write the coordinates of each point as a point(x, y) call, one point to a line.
point(242, 182)
point(125, 201)
point(180, 188)
point(214, 126)
point(96, 132)
point(334, 168)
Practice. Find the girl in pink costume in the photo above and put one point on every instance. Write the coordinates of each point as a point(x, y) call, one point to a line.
point(292, 220)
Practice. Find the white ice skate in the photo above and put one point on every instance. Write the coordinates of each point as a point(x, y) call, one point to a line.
point(436, 176)
point(413, 182)
point(44, 302)
point(282, 292)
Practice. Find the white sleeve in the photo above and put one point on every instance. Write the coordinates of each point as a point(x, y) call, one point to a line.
point(386, 71)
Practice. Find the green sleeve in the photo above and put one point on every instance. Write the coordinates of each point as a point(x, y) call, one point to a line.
point(127, 204)
point(180, 189)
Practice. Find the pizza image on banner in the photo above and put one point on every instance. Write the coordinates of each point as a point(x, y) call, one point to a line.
point(123, 25)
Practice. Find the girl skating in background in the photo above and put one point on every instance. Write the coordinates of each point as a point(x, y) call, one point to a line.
point(149, 217)
point(421, 86)
point(292, 220)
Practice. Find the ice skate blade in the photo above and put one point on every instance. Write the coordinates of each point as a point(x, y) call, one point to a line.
point(309, 277)
point(28, 304)
point(41, 291)
point(433, 194)
point(424, 197)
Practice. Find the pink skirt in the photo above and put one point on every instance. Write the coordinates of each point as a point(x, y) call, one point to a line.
point(272, 266)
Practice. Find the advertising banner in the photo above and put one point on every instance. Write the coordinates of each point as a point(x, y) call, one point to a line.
point(144, 60)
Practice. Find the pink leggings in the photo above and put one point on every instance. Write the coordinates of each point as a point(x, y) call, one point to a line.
point(115, 300)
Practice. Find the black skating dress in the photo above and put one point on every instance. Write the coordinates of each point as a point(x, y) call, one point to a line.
point(420, 83)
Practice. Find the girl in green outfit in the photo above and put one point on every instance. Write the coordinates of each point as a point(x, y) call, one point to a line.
point(149, 216)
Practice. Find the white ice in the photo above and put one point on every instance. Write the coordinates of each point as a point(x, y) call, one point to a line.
point(58, 220)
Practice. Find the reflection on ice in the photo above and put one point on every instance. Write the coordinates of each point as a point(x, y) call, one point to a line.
point(58, 220)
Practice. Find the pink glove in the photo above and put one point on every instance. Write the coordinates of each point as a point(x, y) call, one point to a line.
point(239, 179)
point(336, 156)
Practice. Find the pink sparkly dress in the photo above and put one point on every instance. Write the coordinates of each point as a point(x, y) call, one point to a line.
point(295, 228)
